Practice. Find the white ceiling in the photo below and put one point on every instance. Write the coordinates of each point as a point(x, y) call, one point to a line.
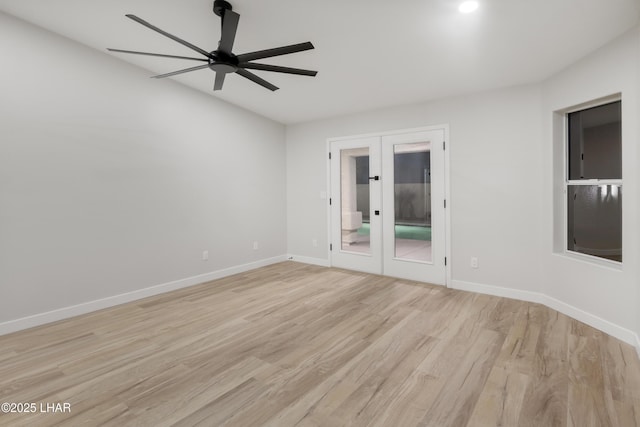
point(369, 53)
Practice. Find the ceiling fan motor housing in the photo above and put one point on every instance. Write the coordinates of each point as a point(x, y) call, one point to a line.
point(223, 62)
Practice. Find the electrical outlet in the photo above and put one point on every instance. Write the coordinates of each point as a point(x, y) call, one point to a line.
point(474, 262)
point(255, 246)
point(205, 255)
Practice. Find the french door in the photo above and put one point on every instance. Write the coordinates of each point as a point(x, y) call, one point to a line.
point(387, 204)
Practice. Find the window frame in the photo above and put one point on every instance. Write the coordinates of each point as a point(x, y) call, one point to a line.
point(567, 182)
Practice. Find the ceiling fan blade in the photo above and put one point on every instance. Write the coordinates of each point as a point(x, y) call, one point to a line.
point(186, 70)
point(156, 54)
point(268, 53)
point(262, 82)
point(171, 36)
point(219, 80)
point(230, 21)
point(277, 69)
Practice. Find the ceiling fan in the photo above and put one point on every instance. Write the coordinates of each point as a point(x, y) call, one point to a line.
point(222, 60)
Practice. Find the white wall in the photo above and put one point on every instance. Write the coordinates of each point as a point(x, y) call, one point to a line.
point(111, 182)
point(501, 187)
point(495, 180)
point(609, 294)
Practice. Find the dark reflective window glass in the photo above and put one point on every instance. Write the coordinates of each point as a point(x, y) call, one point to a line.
point(595, 220)
point(595, 143)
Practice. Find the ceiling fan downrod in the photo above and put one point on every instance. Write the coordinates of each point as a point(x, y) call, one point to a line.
point(219, 6)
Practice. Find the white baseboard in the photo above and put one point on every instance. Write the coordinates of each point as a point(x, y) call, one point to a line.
point(309, 260)
point(498, 291)
point(610, 328)
point(87, 307)
point(606, 326)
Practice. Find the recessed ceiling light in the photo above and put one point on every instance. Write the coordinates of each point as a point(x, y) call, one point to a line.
point(468, 6)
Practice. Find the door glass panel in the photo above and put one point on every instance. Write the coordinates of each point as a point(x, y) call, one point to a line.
point(412, 187)
point(354, 193)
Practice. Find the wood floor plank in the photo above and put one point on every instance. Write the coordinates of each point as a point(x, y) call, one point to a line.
point(587, 403)
point(545, 401)
point(411, 402)
point(457, 399)
point(330, 395)
point(518, 353)
point(384, 389)
point(193, 392)
point(501, 400)
point(293, 344)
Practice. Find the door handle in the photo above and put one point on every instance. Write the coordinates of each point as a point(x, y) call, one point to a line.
point(376, 212)
point(375, 178)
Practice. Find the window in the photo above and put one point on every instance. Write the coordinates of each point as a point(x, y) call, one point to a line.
point(593, 181)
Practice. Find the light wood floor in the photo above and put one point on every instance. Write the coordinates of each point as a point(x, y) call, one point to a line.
point(299, 345)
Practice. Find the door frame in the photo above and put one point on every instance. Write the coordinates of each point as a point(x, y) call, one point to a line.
point(447, 185)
